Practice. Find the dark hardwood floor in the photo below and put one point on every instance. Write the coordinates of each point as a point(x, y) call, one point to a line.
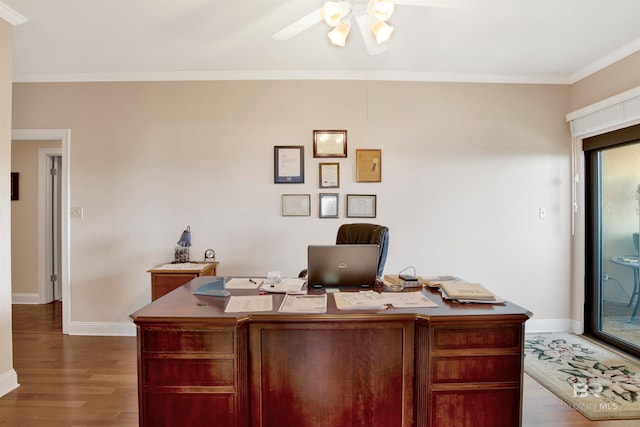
point(92, 381)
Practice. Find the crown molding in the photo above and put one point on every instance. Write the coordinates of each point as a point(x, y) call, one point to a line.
point(611, 58)
point(11, 16)
point(289, 75)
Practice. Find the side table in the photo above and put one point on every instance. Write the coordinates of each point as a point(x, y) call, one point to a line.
point(167, 277)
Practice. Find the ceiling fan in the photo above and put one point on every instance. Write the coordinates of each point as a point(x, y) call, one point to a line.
point(370, 15)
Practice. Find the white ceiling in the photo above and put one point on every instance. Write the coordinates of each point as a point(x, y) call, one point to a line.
point(527, 41)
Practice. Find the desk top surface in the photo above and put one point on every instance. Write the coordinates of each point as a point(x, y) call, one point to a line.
point(182, 305)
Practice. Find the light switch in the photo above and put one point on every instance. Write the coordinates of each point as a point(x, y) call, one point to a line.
point(542, 213)
point(77, 212)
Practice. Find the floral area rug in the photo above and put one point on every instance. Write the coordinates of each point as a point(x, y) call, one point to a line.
point(596, 382)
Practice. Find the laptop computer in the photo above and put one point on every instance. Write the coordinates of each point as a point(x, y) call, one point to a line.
point(342, 265)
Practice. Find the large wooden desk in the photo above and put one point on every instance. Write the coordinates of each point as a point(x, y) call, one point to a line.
point(454, 365)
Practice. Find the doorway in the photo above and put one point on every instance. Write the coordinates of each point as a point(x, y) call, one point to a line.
point(53, 195)
point(612, 225)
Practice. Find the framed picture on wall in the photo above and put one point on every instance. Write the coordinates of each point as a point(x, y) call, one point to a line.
point(296, 205)
point(288, 164)
point(328, 205)
point(361, 205)
point(329, 175)
point(15, 186)
point(329, 143)
point(368, 165)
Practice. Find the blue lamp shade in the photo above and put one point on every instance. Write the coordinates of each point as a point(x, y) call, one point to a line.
point(185, 238)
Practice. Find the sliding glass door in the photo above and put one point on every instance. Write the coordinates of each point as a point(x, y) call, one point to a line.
point(613, 224)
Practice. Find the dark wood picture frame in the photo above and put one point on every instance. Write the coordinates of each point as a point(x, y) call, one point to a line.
point(15, 186)
point(329, 143)
point(288, 164)
point(329, 175)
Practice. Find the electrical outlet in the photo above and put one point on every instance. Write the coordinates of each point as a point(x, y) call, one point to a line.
point(605, 277)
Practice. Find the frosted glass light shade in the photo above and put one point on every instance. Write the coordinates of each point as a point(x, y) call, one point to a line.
point(381, 9)
point(332, 12)
point(338, 35)
point(382, 31)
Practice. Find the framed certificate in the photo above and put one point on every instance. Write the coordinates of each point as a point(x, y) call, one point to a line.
point(368, 165)
point(329, 143)
point(296, 205)
point(361, 205)
point(288, 164)
point(328, 205)
point(329, 175)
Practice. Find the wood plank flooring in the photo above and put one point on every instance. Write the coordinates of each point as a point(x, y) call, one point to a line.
point(80, 381)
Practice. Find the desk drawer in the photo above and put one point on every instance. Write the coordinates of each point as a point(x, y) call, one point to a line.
point(453, 338)
point(476, 369)
point(189, 372)
point(211, 341)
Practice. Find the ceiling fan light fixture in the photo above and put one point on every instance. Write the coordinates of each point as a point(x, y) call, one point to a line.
point(381, 9)
point(382, 31)
point(332, 12)
point(338, 36)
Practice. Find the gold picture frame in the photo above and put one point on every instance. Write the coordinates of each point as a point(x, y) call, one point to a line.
point(368, 165)
point(329, 143)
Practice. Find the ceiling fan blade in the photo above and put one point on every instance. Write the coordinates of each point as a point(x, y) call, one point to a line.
point(370, 42)
point(452, 4)
point(299, 26)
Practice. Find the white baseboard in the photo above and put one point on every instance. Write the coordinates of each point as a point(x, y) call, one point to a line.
point(538, 326)
point(124, 329)
point(8, 382)
point(23, 298)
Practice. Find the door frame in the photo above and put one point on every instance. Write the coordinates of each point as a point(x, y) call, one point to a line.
point(64, 136)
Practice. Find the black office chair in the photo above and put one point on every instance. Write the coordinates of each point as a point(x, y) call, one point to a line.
point(363, 234)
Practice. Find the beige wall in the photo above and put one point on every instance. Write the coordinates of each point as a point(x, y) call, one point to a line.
point(24, 216)
point(465, 169)
point(612, 80)
point(7, 374)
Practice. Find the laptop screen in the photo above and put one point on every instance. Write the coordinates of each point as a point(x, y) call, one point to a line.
point(342, 265)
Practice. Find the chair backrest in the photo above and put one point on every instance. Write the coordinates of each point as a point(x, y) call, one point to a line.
point(362, 233)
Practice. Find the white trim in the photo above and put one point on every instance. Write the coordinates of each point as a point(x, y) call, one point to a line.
point(63, 135)
point(8, 382)
point(11, 16)
point(25, 298)
point(605, 61)
point(537, 326)
point(613, 113)
point(289, 75)
point(117, 329)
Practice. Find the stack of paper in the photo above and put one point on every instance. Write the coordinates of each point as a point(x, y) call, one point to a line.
point(304, 304)
point(468, 292)
point(286, 286)
point(436, 281)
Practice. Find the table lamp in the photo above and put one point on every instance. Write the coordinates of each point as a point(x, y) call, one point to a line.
point(181, 253)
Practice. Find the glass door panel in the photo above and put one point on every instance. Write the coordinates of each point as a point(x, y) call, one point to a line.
point(615, 223)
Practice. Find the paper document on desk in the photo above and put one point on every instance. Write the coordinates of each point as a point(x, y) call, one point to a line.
point(414, 299)
point(286, 286)
point(238, 283)
point(249, 303)
point(357, 301)
point(304, 304)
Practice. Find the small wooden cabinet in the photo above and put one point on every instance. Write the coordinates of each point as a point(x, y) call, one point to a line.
point(167, 277)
